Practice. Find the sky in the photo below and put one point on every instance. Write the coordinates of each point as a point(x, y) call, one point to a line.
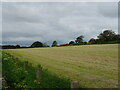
point(26, 22)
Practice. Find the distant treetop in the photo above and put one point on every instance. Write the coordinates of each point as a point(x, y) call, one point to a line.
point(37, 44)
point(54, 43)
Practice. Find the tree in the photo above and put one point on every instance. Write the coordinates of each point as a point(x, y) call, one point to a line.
point(117, 37)
point(106, 36)
point(54, 43)
point(17, 46)
point(71, 42)
point(92, 40)
point(45, 45)
point(37, 44)
point(79, 39)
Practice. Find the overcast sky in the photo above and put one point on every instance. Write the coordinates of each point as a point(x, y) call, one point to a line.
point(23, 23)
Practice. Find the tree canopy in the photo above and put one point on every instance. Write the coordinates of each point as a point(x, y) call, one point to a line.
point(37, 44)
point(54, 43)
point(71, 42)
point(92, 40)
point(79, 39)
point(106, 36)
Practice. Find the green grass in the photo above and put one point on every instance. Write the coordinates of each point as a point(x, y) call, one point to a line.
point(94, 66)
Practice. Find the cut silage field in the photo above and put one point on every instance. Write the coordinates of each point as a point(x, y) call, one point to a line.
point(94, 66)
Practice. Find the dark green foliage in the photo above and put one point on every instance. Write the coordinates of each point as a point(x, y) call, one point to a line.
point(92, 40)
point(106, 37)
point(45, 45)
point(117, 37)
point(17, 46)
point(37, 44)
point(79, 39)
point(71, 42)
point(112, 42)
point(84, 42)
point(10, 46)
point(17, 77)
point(54, 43)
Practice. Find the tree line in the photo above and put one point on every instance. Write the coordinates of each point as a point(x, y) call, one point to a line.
point(106, 37)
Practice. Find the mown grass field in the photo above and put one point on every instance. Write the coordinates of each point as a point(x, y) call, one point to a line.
point(94, 66)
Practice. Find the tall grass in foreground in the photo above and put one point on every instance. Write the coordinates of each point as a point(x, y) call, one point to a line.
point(17, 77)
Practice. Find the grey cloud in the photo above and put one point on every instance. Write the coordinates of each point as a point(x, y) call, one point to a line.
point(29, 22)
point(109, 9)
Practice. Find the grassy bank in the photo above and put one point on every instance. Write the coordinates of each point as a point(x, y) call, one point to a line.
point(17, 77)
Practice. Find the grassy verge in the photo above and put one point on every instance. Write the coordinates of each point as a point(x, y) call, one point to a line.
point(17, 77)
